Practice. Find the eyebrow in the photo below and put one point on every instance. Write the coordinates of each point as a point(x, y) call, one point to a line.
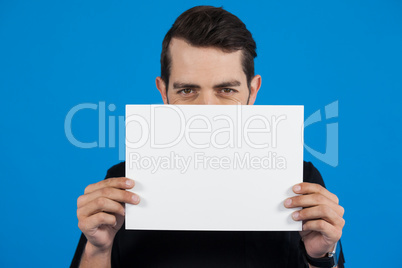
point(231, 83)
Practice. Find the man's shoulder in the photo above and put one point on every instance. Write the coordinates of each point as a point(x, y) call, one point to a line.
point(311, 174)
point(118, 170)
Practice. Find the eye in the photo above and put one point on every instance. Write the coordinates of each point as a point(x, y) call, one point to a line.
point(185, 91)
point(228, 90)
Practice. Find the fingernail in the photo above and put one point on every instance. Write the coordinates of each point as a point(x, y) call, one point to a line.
point(288, 202)
point(295, 215)
point(129, 183)
point(297, 188)
point(135, 198)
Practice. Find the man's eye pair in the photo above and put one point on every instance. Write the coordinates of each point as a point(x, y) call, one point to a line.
point(189, 90)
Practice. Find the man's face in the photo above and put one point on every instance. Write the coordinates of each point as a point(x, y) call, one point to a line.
point(206, 76)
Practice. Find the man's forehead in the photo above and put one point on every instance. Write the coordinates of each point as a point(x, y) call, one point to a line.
point(189, 63)
point(180, 49)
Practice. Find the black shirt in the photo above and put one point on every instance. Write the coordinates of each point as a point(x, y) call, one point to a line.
point(148, 248)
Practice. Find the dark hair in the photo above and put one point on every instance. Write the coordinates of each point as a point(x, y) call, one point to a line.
point(208, 26)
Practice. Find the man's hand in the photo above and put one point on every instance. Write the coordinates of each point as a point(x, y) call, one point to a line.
point(322, 217)
point(100, 212)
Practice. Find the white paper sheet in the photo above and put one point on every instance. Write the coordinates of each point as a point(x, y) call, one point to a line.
point(213, 167)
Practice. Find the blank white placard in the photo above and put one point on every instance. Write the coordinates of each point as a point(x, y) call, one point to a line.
point(213, 167)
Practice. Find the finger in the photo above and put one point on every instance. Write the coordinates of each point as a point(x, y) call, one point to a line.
point(100, 204)
point(312, 188)
point(329, 231)
point(312, 200)
point(96, 220)
point(120, 183)
point(114, 194)
point(323, 212)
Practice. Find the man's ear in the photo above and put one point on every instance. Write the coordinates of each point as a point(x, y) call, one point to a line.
point(161, 86)
point(254, 87)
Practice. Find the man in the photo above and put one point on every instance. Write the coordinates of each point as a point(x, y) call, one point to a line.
point(207, 58)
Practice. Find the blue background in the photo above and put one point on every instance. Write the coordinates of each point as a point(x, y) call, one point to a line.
point(54, 56)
